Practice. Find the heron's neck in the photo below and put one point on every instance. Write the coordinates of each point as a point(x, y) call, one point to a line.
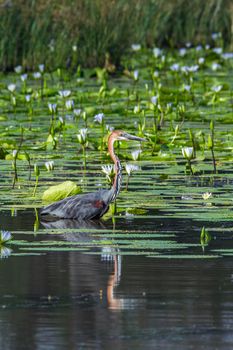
point(117, 168)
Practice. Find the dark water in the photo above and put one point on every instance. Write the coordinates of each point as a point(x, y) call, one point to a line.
point(72, 300)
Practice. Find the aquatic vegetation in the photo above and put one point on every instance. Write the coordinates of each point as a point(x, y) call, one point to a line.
point(130, 168)
point(5, 236)
point(49, 165)
point(63, 190)
point(108, 170)
point(188, 154)
point(205, 238)
point(176, 101)
point(37, 174)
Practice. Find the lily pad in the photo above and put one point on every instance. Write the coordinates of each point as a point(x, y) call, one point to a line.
point(63, 190)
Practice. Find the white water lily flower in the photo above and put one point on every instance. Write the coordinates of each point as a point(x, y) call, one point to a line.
point(61, 120)
point(69, 105)
point(136, 47)
point(217, 88)
point(77, 112)
point(217, 50)
point(18, 69)
point(108, 170)
point(187, 152)
point(41, 68)
point(64, 93)
point(154, 100)
point(182, 52)
point(5, 252)
point(49, 165)
point(215, 36)
point(109, 127)
point(227, 55)
point(11, 87)
point(215, 66)
point(28, 98)
point(131, 168)
point(52, 107)
point(82, 136)
point(198, 48)
point(135, 154)
point(5, 236)
point(99, 118)
point(136, 109)
point(80, 81)
point(175, 67)
point(136, 74)
point(187, 88)
point(157, 52)
point(201, 60)
point(206, 195)
point(51, 46)
point(190, 69)
point(24, 77)
point(37, 75)
point(14, 153)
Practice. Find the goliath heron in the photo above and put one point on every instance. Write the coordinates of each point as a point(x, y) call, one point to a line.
point(92, 205)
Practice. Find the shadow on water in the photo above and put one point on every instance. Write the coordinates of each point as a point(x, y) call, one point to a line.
point(75, 299)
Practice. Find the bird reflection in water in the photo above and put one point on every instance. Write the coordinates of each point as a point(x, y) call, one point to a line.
point(109, 255)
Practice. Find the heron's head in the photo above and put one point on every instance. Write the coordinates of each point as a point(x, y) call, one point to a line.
point(120, 135)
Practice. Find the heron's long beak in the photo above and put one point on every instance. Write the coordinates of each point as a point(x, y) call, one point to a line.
point(133, 137)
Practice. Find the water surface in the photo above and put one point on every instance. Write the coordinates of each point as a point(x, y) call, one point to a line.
point(77, 300)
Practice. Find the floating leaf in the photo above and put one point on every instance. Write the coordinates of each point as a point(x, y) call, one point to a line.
point(63, 190)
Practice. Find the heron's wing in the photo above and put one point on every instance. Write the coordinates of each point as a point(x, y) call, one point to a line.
point(81, 207)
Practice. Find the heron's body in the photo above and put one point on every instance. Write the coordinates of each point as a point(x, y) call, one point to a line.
point(82, 206)
point(95, 204)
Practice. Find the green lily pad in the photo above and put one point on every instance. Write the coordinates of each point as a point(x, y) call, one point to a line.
point(63, 190)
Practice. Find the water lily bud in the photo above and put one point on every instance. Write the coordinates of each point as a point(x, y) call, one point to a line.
point(41, 68)
point(69, 105)
point(136, 75)
point(37, 75)
point(210, 142)
point(13, 101)
point(28, 98)
point(212, 125)
point(187, 152)
point(135, 154)
point(49, 165)
point(77, 112)
point(11, 87)
point(24, 77)
point(136, 109)
point(82, 136)
point(154, 100)
point(18, 69)
point(52, 108)
point(36, 170)
point(14, 153)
